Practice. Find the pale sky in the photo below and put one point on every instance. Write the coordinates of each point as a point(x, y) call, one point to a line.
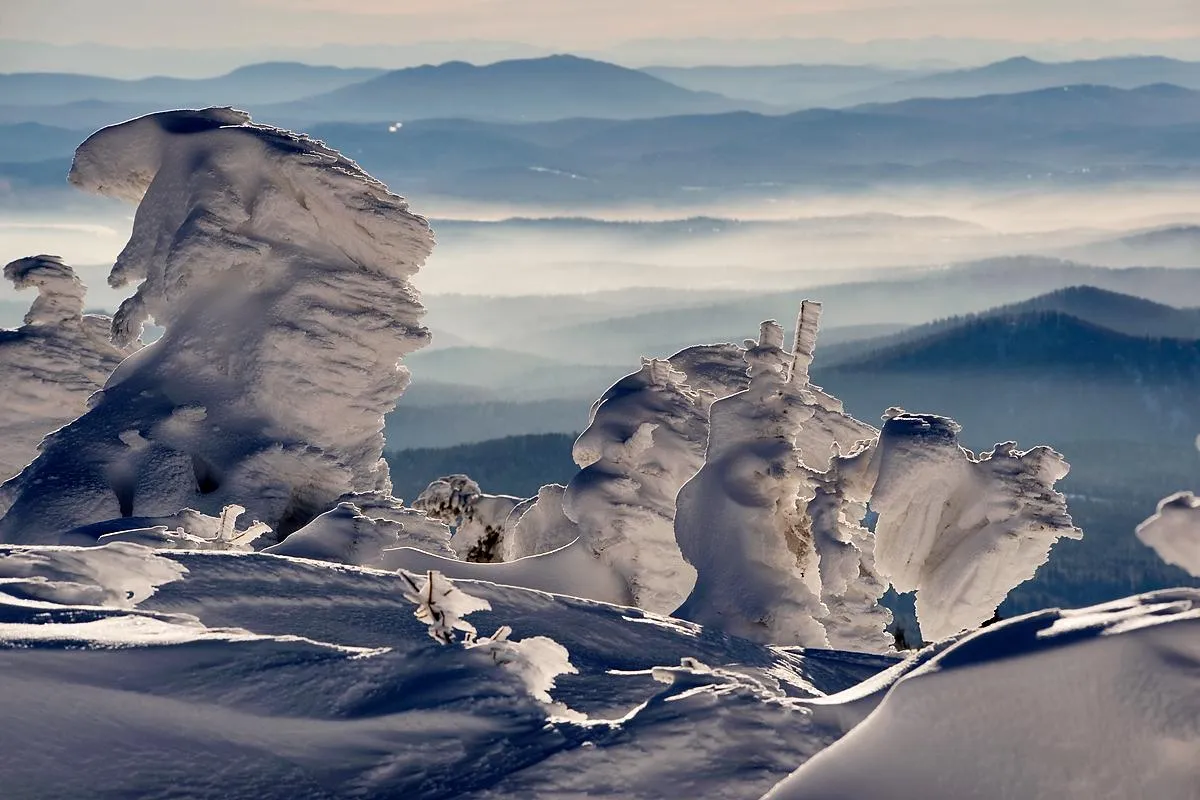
point(581, 23)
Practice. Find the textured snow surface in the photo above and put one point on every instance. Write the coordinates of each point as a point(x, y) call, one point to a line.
point(1174, 531)
point(252, 675)
point(1099, 702)
point(281, 272)
point(52, 364)
point(959, 530)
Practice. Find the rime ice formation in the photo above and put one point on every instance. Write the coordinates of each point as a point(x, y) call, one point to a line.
point(962, 531)
point(1174, 531)
point(281, 272)
point(538, 525)
point(479, 520)
point(738, 521)
point(52, 364)
point(773, 522)
point(850, 583)
point(187, 530)
point(716, 369)
point(645, 440)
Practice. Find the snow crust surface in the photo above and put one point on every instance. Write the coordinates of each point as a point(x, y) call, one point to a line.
point(299, 678)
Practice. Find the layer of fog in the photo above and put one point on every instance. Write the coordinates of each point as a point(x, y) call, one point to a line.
point(711, 245)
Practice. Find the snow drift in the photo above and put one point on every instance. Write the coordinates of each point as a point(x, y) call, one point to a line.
point(1099, 702)
point(281, 271)
point(52, 364)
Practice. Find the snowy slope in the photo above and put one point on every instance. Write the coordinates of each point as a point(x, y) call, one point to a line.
point(289, 678)
point(214, 675)
point(1100, 702)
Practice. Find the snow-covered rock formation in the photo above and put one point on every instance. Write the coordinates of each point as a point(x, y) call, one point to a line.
point(962, 531)
point(645, 440)
point(281, 271)
point(1174, 531)
point(52, 364)
point(479, 521)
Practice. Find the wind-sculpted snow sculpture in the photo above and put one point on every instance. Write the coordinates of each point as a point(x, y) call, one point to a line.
point(851, 585)
point(962, 531)
point(738, 521)
point(479, 520)
point(52, 364)
point(1174, 531)
point(281, 272)
point(773, 521)
point(645, 440)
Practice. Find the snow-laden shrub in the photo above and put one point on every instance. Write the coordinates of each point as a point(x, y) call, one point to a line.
point(536, 660)
point(478, 520)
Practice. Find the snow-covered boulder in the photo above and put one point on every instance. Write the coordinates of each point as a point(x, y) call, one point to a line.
point(1174, 531)
point(281, 271)
point(646, 439)
point(962, 531)
point(479, 521)
point(52, 364)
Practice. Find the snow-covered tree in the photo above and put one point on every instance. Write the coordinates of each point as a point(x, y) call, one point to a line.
point(773, 522)
point(962, 531)
point(738, 521)
point(645, 440)
point(52, 364)
point(281, 271)
point(478, 520)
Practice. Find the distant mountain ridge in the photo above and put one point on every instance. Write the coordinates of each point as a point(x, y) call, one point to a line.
point(1022, 74)
point(535, 89)
point(1123, 314)
point(267, 82)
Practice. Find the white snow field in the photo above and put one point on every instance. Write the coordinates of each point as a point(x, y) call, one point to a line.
point(208, 591)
